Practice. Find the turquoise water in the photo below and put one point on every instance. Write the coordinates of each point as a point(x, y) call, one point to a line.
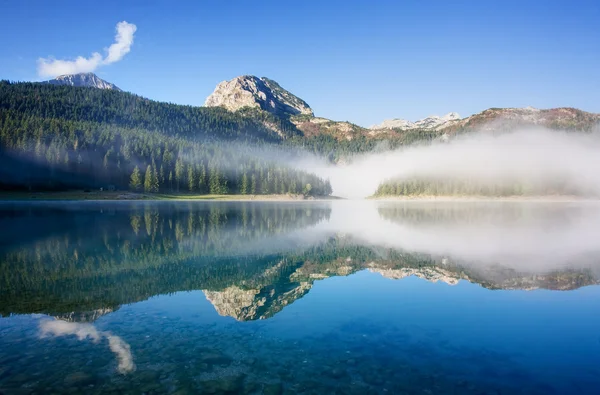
point(299, 298)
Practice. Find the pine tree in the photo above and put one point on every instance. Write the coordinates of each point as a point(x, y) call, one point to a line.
point(155, 180)
point(161, 175)
point(178, 172)
point(244, 186)
point(253, 185)
point(191, 179)
point(136, 182)
point(148, 179)
point(202, 179)
point(213, 180)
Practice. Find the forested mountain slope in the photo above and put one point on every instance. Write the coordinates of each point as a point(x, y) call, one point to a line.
point(59, 137)
point(128, 110)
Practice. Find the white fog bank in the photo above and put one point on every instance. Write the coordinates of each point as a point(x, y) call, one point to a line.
point(526, 155)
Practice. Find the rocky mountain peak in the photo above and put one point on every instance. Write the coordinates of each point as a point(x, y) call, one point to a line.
point(255, 304)
point(83, 79)
point(261, 93)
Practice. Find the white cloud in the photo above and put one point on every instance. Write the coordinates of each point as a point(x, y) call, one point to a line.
point(85, 331)
point(63, 328)
point(123, 42)
point(123, 352)
point(50, 67)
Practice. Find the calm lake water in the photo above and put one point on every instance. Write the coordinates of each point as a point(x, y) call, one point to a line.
point(299, 298)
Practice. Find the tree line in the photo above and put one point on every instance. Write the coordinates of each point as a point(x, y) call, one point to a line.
point(467, 186)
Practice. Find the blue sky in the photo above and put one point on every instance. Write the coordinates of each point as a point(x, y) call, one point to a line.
point(350, 60)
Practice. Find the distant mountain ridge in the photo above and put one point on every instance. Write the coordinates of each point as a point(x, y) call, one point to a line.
point(555, 118)
point(267, 98)
point(266, 95)
point(262, 109)
point(431, 122)
point(83, 79)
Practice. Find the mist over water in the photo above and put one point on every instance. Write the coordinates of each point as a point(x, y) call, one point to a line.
point(534, 237)
point(530, 155)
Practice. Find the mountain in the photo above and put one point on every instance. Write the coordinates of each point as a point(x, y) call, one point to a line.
point(261, 93)
point(60, 137)
point(401, 132)
point(116, 131)
point(502, 118)
point(431, 122)
point(83, 79)
point(323, 135)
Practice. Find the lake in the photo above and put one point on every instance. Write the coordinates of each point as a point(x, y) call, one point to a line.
point(299, 298)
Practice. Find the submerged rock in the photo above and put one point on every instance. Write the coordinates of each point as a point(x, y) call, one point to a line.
point(78, 379)
point(337, 373)
point(272, 389)
point(230, 384)
point(215, 358)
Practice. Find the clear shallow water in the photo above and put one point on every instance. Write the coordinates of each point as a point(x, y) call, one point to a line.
point(279, 298)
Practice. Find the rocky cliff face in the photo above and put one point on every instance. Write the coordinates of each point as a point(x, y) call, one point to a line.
point(83, 79)
point(260, 93)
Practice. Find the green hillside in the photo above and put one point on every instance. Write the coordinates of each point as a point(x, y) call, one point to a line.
point(61, 137)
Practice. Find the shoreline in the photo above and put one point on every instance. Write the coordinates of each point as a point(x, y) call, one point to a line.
point(132, 196)
point(474, 199)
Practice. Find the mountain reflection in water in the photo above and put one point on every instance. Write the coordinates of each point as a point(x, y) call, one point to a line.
point(253, 259)
point(79, 263)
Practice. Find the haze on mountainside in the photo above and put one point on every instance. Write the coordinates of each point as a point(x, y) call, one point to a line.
point(525, 153)
point(255, 137)
point(495, 149)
